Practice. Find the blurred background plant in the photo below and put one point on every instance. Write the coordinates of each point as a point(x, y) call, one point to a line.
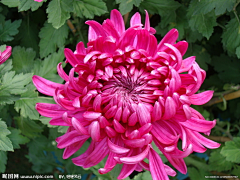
point(38, 32)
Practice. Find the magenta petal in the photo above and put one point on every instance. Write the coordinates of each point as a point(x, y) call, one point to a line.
point(169, 38)
point(117, 149)
point(201, 98)
point(80, 48)
point(94, 131)
point(134, 143)
point(127, 169)
point(97, 28)
point(70, 57)
point(135, 20)
point(170, 108)
point(169, 171)
point(61, 72)
point(135, 159)
point(79, 127)
point(91, 115)
point(147, 22)
point(143, 114)
point(117, 20)
point(70, 150)
point(50, 110)
point(182, 46)
point(58, 121)
point(45, 86)
point(157, 111)
point(100, 151)
point(156, 165)
point(5, 54)
point(70, 138)
point(205, 141)
point(118, 127)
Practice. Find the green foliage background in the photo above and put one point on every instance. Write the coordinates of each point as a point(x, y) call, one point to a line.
point(38, 32)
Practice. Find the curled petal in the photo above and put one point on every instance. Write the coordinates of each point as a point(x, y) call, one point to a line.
point(201, 98)
point(135, 159)
point(45, 86)
point(117, 149)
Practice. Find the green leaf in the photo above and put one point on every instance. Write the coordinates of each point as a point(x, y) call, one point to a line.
point(28, 127)
point(42, 160)
point(28, 34)
point(203, 23)
point(218, 162)
point(48, 67)
point(3, 162)
point(62, 129)
point(202, 56)
point(146, 175)
point(231, 150)
point(7, 66)
point(8, 29)
point(21, 59)
point(227, 68)
point(59, 11)
point(26, 5)
point(205, 6)
point(27, 102)
point(166, 9)
point(231, 37)
point(89, 8)
point(5, 143)
point(14, 84)
point(45, 120)
point(11, 3)
point(17, 138)
point(52, 38)
point(126, 6)
point(197, 174)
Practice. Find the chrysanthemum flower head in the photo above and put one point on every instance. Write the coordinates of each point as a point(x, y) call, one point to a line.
point(130, 92)
point(5, 54)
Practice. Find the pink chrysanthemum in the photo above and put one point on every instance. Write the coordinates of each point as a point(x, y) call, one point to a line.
point(38, 0)
point(130, 92)
point(5, 54)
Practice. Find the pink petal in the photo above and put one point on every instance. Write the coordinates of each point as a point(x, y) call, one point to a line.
point(156, 165)
point(94, 131)
point(143, 114)
point(127, 169)
point(182, 46)
point(147, 22)
point(118, 127)
point(201, 98)
point(117, 20)
point(169, 170)
point(96, 27)
point(91, 115)
point(70, 138)
point(5, 54)
point(50, 110)
point(62, 73)
point(135, 20)
point(135, 159)
point(98, 154)
point(45, 86)
point(170, 108)
point(70, 57)
point(78, 126)
point(117, 149)
point(70, 150)
point(169, 38)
